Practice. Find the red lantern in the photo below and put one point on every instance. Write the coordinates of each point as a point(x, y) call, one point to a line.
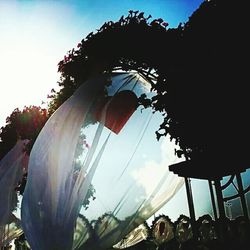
point(119, 109)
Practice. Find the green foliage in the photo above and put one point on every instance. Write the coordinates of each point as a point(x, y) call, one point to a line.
point(21, 124)
point(80, 149)
point(25, 124)
point(58, 98)
point(89, 196)
point(132, 43)
point(198, 73)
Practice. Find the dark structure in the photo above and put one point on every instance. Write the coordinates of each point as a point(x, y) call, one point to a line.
point(201, 169)
point(210, 121)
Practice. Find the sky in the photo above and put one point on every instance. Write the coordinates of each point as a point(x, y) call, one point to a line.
point(35, 36)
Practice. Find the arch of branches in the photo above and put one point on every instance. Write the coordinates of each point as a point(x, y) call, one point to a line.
point(134, 43)
point(188, 68)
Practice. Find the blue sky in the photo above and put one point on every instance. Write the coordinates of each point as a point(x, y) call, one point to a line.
point(35, 35)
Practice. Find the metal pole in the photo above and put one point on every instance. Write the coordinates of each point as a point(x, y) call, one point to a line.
point(191, 207)
point(221, 226)
point(242, 196)
point(212, 199)
point(229, 209)
point(220, 201)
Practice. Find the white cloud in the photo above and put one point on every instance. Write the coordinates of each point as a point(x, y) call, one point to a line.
point(151, 173)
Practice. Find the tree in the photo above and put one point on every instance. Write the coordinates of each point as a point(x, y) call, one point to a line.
point(132, 43)
point(199, 74)
point(205, 96)
point(25, 124)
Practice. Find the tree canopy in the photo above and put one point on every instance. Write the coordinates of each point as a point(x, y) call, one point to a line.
point(197, 69)
point(22, 124)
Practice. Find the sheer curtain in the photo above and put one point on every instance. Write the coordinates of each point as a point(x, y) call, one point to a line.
point(11, 172)
point(98, 138)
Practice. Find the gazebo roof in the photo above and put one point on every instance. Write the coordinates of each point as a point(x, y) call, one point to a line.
point(210, 168)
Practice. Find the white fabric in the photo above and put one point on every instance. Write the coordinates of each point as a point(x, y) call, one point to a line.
point(83, 232)
point(139, 234)
point(128, 170)
point(11, 171)
point(10, 231)
point(49, 214)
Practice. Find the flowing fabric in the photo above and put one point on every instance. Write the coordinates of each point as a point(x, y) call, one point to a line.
point(134, 237)
point(11, 231)
point(11, 172)
point(95, 140)
point(55, 189)
point(83, 232)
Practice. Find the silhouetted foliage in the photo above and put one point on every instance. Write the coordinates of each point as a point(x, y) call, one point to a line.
point(25, 124)
point(206, 94)
point(82, 146)
point(130, 43)
point(199, 69)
